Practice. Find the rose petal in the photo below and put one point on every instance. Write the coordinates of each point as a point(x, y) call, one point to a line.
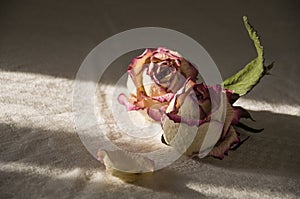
point(156, 113)
point(147, 102)
point(188, 113)
point(124, 161)
point(180, 96)
point(176, 82)
point(188, 70)
point(123, 99)
point(136, 69)
point(242, 113)
point(222, 147)
point(191, 122)
point(230, 118)
point(189, 139)
point(164, 98)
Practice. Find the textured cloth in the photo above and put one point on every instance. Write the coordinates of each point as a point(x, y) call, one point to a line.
point(42, 46)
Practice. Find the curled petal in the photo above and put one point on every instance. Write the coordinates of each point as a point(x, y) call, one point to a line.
point(230, 118)
point(180, 96)
point(166, 54)
point(191, 122)
point(164, 98)
point(156, 113)
point(176, 82)
point(191, 140)
point(242, 113)
point(216, 96)
point(223, 146)
point(201, 91)
point(122, 98)
point(188, 70)
point(146, 102)
point(182, 125)
point(136, 69)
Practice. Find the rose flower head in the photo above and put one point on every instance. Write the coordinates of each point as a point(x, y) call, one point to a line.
point(164, 84)
point(154, 77)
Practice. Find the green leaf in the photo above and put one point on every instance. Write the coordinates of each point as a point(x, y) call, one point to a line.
point(243, 81)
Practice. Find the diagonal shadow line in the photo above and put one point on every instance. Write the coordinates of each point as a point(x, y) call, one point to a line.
point(273, 152)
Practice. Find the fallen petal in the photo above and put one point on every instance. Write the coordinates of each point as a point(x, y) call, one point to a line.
point(124, 161)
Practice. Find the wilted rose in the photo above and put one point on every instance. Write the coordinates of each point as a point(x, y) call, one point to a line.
point(165, 86)
point(197, 119)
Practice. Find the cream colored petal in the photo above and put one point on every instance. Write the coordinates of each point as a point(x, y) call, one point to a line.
point(190, 139)
point(126, 162)
point(183, 137)
point(130, 85)
point(193, 139)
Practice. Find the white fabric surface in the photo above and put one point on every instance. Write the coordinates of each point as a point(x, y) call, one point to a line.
point(42, 46)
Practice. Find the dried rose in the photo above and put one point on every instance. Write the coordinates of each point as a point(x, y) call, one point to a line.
point(172, 95)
